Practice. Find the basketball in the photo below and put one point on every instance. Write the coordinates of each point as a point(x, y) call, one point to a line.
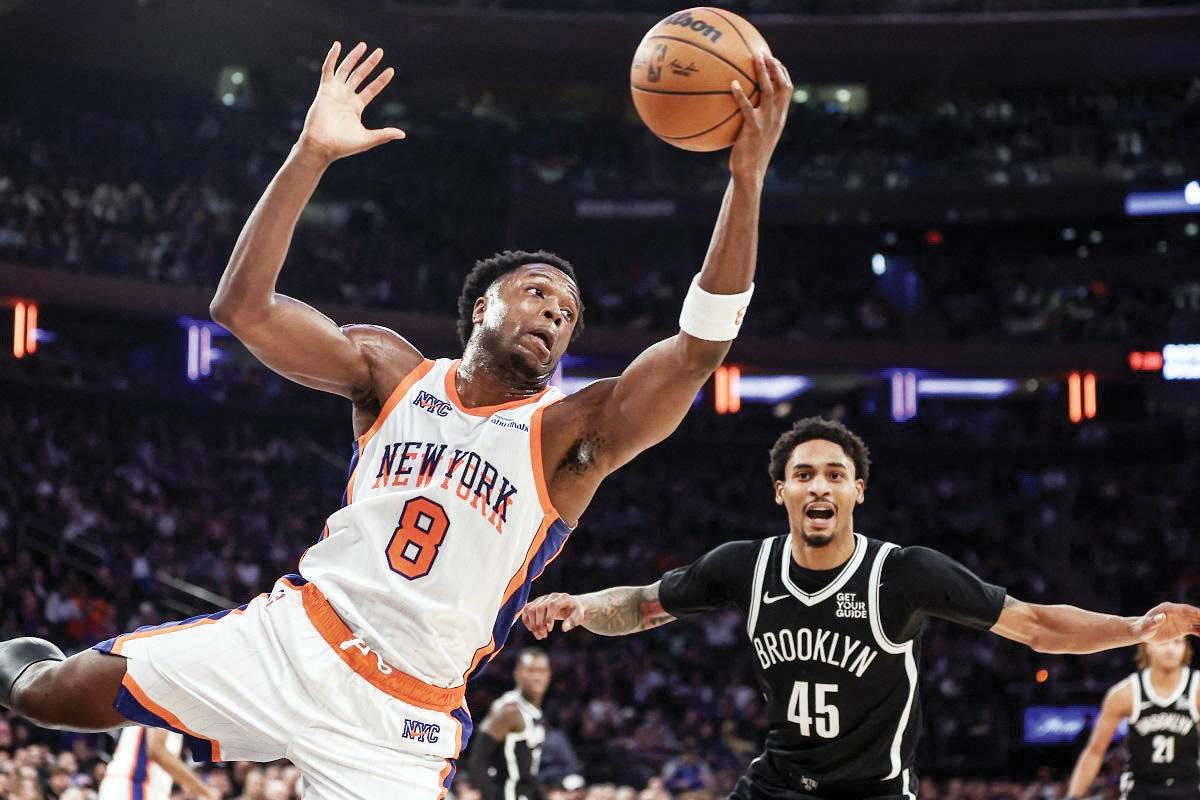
point(681, 74)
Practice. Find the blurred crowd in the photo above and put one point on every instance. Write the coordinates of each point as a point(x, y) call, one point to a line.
point(833, 6)
point(162, 198)
point(103, 513)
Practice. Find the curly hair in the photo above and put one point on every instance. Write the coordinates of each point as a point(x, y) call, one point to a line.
point(810, 428)
point(488, 270)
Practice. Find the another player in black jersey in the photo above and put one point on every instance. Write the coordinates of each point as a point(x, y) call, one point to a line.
point(508, 747)
point(835, 619)
point(1162, 703)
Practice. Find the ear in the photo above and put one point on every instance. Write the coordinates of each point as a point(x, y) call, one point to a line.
point(778, 493)
point(479, 310)
point(862, 491)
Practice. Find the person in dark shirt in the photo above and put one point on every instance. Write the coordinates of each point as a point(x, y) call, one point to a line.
point(835, 620)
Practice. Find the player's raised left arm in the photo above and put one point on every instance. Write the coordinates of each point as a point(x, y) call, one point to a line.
point(647, 402)
point(1067, 629)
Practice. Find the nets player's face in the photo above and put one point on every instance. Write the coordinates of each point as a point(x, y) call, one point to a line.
point(532, 675)
point(819, 491)
point(1166, 655)
point(528, 317)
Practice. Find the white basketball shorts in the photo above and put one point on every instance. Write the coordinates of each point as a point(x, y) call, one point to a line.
point(283, 677)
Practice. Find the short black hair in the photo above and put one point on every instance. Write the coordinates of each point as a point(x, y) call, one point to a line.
point(488, 270)
point(531, 651)
point(809, 428)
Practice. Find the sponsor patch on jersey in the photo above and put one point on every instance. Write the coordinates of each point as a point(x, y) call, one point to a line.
point(432, 403)
point(849, 606)
point(421, 731)
point(504, 422)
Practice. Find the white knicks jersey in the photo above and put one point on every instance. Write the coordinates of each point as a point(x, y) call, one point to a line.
point(447, 520)
point(131, 773)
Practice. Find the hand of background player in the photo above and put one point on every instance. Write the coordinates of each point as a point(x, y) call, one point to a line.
point(540, 615)
point(1167, 621)
point(333, 127)
point(762, 126)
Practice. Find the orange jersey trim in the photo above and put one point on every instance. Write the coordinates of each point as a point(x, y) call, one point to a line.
point(483, 411)
point(514, 583)
point(370, 667)
point(119, 644)
point(449, 762)
point(131, 685)
point(539, 471)
point(406, 383)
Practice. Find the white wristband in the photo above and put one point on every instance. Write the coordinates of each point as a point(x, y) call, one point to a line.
point(713, 317)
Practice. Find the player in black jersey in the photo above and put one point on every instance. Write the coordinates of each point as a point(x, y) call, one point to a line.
point(1162, 703)
point(835, 620)
point(507, 750)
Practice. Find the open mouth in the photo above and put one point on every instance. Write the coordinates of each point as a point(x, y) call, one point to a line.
point(820, 513)
point(545, 338)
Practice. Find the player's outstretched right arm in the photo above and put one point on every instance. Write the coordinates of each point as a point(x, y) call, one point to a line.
point(618, 611)
point(289, 336)
point(1118, 704)
point(1067, 629)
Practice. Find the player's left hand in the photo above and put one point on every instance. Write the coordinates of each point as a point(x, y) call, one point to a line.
point(1167, 621)
point(540, 615)
point(762, 126)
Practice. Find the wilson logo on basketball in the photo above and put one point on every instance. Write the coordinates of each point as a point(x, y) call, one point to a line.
point(686, 20)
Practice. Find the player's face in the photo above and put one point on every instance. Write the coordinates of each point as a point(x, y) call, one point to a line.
point(533, 675)
point(1166, 655)
point(527, 318)
point(819, 491)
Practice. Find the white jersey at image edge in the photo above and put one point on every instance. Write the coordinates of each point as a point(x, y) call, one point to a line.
point(132, 774)
point(447, 520)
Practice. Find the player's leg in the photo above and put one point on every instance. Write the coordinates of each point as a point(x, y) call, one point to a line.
point(76, 693)
point(340, 768)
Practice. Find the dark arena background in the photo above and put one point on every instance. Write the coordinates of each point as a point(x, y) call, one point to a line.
point(980, 249)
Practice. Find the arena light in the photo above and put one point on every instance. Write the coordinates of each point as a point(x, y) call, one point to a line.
point(18, 347)
point(1075, 398)
point(772, 388)
point(31, 328)
point(966, 387)
point(727, 396)
point(193, 352)
point(1145, 360)
point(1082, 396)
point(904, 395)
point(1181, 362)
point(1180, 201)
point(879, 263)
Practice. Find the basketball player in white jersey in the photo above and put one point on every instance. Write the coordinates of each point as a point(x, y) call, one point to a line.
point(1161, 701)
point(146, 764)
point(468, 476)
point(507, 752)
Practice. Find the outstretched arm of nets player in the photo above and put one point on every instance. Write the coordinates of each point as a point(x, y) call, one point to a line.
point(289, 336)
point(1067, 629)
point(618, 611)
point(1118, 704)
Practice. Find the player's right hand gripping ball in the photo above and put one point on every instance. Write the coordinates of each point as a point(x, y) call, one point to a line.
point(681, 75)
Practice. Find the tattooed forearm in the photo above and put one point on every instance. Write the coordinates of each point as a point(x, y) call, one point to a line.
point(622, 610)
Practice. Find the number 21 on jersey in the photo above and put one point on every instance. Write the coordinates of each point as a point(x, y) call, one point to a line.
point(823, 712)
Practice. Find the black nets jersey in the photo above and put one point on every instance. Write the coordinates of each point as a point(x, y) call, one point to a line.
point(836, 655)
point(520, 754)
point(1163, 744)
